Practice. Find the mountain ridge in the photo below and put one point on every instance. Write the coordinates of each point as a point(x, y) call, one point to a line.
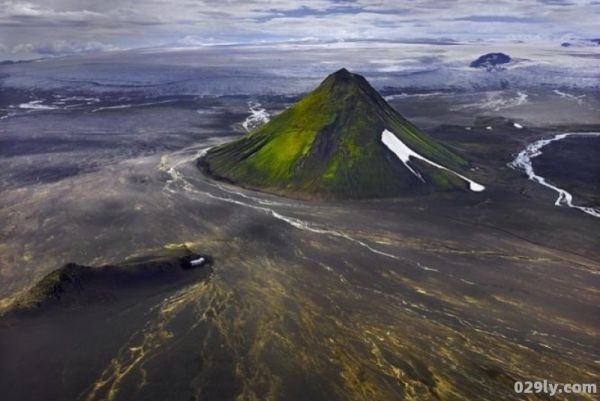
point(74, 284)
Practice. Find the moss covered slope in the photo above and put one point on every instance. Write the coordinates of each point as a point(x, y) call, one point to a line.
point(329, 144)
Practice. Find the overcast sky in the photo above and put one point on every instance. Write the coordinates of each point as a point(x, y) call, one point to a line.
point(40, 28)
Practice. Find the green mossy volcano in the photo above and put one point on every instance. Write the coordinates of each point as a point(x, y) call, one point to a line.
point(329, 145)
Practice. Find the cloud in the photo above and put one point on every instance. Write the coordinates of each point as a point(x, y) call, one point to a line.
point(20, 13)
point(132, 23)
point(501, 19)
point(338, 8)
point(23, 13)
point(557, 2)
point(62, 47)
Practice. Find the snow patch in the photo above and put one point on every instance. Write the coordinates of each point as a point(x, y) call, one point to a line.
point(36, 105)
point(198, 262)
point(121, 106)
point(517, 125)
point(404, 153)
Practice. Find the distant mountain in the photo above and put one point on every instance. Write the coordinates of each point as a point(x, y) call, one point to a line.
point(10, 62)
point(581, 43)
point(341, 140)
point(491, 61)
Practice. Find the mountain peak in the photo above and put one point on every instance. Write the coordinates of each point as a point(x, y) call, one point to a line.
point(346, 86)
point(491, 61)
point(342, 73)
point(341, 76)
point(338, 141)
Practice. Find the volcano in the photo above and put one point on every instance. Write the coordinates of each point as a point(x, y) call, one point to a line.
point(342, 140)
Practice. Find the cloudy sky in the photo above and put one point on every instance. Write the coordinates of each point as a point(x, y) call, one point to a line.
point(39, 28)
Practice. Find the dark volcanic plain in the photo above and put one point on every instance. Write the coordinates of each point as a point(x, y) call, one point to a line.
point(451, 296)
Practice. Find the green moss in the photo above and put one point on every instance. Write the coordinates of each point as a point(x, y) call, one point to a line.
point(330, 143)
